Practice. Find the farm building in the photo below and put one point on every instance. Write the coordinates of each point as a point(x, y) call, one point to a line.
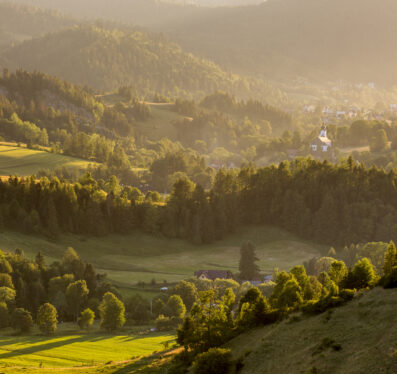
point(213, 274)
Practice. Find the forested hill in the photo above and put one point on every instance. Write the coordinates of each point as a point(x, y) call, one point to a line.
point(106, 59)
point(19, 22)
point(140, 12)
point(327, 39)
point(330, 39)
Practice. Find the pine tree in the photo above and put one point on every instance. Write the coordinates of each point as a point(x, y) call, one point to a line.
point(248, 268)
point(390, 259)
point(40, 260)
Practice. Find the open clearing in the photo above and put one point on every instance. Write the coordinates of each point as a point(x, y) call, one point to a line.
point(73, 350)
point(24, 162)
point(128, 259)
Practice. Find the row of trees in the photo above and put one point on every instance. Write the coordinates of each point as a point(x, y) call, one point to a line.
point(316, 200)
point(70, 290)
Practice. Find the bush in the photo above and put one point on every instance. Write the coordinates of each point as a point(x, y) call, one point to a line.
point(4, 316)
point(347, 294)
point(86, 318)
point(320, 306)
point(167, 323)
point(21, 320)
point(215, 361)
point(181, 363)
point(390, 281)
point(327, 343)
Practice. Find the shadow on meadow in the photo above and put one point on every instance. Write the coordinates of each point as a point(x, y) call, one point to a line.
point(36, 347)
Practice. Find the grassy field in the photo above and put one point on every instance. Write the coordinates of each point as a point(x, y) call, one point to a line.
point(72, 348)
point(160, 124)
point(155, 364)
point(128, 259)
point(21, 161)
point(365, 328)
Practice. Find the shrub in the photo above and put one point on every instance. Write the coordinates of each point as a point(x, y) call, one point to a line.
point(390, 281)
point(181, 362)
point(214, 361)
point(320, 306)
point(347, 294)
point(21, 320)
point(4, 316)
point(166, 323)
point(327, 343)
point(86, 318)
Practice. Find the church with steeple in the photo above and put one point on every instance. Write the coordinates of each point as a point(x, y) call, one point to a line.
point(322, 145)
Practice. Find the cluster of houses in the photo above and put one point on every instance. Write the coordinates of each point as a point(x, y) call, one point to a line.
point(331, 114)
point(226, 274)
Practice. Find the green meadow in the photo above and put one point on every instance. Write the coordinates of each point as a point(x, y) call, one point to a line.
point(66, 349)
point(128, 259)
point(22, 161)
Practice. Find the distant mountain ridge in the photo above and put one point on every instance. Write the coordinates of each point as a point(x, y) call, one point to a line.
point(326, 40)
point(20, 22)
point(329, 39)
point(107, 58)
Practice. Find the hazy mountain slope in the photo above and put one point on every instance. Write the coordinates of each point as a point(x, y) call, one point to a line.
point(19, 22)
point(138, 12)
point(327, 39)
point(331, 39)
point(365, 328)
point(107, 59)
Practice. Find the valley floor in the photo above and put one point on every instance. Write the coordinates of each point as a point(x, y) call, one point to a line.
point(128, 259)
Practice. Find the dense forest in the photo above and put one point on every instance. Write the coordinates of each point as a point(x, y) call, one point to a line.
point(42, 110)
point(106, 58)
point(332, 204)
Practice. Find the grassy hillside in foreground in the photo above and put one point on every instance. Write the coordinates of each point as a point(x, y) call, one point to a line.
point(70, 347)
point(366, 329)
point(24, 162)
point(128, 259)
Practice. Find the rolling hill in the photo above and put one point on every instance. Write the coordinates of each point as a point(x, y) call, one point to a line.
point(323, 40)
point(326, 40)
point(138, 12)
point(20, 22)
point(365, 330)
point(22, 161)
point(107, 58)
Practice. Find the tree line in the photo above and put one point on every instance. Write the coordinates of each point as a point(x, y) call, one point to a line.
point(69, 290)
point(332, 204)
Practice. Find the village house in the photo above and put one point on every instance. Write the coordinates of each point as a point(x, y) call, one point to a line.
point(321, 146)
point(213, 274)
